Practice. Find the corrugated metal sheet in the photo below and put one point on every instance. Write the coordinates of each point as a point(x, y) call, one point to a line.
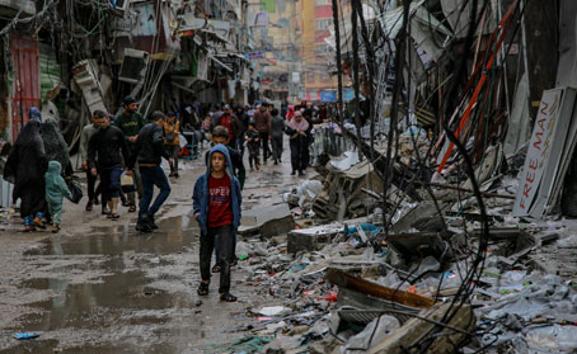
point(50, 71)
point(25, 91)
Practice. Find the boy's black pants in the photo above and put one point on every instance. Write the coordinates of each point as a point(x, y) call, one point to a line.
point(225, 237)
point(253, 156)
point(277, 147)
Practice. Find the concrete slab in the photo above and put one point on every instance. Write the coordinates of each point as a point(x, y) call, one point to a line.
point(259, 216)
point(313, 238)
point(269, 221)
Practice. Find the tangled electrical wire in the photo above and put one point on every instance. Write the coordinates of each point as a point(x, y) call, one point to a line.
point(453, 101)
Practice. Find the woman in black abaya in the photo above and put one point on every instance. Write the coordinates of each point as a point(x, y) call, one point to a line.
point(55, 146)
point(25, 168)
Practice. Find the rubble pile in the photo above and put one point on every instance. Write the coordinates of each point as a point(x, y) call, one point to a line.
point(401, 281)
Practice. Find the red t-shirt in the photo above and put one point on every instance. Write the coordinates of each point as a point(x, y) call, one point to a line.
point(219, 202)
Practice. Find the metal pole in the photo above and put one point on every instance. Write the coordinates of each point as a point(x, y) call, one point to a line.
point(356, 66)
point(339, 59)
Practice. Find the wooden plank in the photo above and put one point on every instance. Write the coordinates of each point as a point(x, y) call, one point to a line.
point(348, 281)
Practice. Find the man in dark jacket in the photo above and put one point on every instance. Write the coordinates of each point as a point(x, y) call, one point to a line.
point(262, 120)
point(106, 145)
point(276, 135)
point(149, 151)
point(130, 122)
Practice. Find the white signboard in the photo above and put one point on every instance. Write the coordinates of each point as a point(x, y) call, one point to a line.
point(536, 161)
point(562, 146)
point(296, 77)
point(551, 147)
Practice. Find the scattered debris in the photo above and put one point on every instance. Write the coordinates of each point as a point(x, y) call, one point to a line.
point(25, 335)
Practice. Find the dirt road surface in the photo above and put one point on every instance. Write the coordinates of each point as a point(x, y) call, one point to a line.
point(101, 287)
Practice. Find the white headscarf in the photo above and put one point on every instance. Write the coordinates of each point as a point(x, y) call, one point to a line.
point(303, 125)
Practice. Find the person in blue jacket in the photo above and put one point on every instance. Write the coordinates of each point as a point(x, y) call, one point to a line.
point(216, 202)
point(56, 190)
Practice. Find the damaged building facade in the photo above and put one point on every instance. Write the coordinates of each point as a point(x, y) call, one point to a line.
point(460, 187)
point(440, 217)
point(73, 57)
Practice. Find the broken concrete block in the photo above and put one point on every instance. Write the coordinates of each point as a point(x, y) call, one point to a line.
point(259, 216)
point(375, 332)
point(424, 217)
point(268, 221)
point(313, 238)
point(419, 244)
point(416, 331)
point(278, 240)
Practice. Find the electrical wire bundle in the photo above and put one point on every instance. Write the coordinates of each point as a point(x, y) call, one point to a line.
point(456, 97)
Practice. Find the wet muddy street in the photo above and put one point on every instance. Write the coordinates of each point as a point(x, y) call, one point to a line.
point(101, 287)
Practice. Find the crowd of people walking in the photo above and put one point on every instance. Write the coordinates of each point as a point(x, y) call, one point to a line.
point(125, 152)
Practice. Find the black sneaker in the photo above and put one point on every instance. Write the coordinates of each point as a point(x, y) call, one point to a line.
point(144, 228)
point(149, 220)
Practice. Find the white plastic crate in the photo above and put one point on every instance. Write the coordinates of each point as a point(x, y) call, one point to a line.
point(6, 190)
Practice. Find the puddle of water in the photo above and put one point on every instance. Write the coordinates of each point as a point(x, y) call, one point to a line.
point(173, 234)
point(127, 312)
point(50, 346)
point(95, 305)
point(123, 299)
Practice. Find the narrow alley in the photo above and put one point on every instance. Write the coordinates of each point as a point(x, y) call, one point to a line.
point(288, 176)
point(102, 287)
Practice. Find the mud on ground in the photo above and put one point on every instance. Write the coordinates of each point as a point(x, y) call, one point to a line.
point(101, 287)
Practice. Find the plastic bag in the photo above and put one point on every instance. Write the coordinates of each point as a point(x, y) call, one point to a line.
point(126, 183)
point(182, 142)
point(126, 180)
point(308, 191)
point(75, 189)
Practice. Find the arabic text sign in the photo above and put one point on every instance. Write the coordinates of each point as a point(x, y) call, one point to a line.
point(255, 55)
